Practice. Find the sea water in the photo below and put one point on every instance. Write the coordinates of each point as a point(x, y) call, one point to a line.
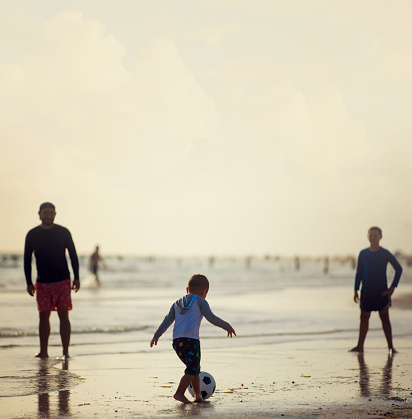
point(267, 300)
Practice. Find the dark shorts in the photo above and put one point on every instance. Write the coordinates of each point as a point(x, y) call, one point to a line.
point(372, 302)
point(188, 350)
point(54, 295)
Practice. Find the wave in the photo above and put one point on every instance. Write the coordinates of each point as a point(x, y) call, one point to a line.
point(92, 330)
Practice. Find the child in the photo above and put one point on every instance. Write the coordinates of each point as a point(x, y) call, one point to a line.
point(187, 313)
point(375, 295)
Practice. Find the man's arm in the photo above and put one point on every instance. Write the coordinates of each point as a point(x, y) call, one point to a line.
point(73, 256)
point(28, 252)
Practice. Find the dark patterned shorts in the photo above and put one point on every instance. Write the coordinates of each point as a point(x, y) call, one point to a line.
point(188, 350)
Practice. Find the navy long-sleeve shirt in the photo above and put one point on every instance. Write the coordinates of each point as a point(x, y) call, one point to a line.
point(49, 247)
point(371, 270)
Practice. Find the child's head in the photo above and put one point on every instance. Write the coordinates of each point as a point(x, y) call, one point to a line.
point(198, 284)
point(374, 234)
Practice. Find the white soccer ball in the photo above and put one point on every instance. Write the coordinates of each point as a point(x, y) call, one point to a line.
point(207, 385)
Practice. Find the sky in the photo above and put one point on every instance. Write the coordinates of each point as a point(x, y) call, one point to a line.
point(215, 127)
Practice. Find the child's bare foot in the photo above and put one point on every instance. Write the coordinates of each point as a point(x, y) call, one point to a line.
point(181, 398)
point(356, 349)
point(198, 398)
point(392, 351)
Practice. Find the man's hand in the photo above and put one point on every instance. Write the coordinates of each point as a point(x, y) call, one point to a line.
point(76, 285)
point(356, 297)
point(231, 332)
point(31, 290)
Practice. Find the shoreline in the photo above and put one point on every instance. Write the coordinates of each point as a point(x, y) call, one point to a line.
point(317, 379)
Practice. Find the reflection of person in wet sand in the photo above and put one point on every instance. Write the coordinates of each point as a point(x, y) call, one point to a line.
point(364, 378)
point(49, 242)
point(95, 261)
point(375, 295)
point(46, 384)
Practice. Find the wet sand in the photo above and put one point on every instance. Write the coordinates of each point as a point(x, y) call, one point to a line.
point(312, 379)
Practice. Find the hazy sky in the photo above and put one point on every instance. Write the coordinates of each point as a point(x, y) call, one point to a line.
point(208, 127)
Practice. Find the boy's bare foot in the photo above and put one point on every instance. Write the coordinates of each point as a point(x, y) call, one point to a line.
point(198, 398)
point(181, 398)
point(356, 349)
point(40, 355)
point(392, 351)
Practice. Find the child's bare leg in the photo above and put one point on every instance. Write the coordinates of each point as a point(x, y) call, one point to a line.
point(363, 330)
point(387, 328)
point(196, 389)
point(181, 389)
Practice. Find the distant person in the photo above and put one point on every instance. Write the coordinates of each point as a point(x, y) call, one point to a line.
point(53, 287)
point(187, 313)
point(95, 260)
point(375, 295)
point(326, 265)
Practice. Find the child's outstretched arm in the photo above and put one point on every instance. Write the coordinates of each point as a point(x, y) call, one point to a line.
point(168, 320)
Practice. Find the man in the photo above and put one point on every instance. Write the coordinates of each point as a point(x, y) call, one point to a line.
point(49, 242)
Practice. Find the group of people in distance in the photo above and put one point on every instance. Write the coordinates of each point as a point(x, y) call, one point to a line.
point(53, 286)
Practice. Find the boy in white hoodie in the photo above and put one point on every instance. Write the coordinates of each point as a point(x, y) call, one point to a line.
point(187, 313)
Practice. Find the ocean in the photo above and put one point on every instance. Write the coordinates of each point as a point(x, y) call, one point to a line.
point(268, 301)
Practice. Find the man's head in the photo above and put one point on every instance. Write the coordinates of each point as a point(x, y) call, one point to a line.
point(47, 213)
point(198, 284)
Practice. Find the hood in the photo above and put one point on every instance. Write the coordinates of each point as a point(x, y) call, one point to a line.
point(184, 304)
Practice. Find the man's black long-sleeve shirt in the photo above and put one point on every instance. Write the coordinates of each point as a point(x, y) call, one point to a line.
point(49, 247)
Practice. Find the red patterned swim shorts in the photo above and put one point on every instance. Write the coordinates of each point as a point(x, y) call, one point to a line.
point(54, 295)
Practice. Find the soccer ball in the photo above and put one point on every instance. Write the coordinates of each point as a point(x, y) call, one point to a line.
point(207, 385)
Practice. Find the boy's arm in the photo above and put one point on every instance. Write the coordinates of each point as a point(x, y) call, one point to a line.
point(168, 320)
point(359, 272)
point(210, 317)
point(398, 270)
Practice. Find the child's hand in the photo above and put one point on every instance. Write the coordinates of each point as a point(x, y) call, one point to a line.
point(231, 332)
point(153, 342)
point(356, 297)
point(389, 292)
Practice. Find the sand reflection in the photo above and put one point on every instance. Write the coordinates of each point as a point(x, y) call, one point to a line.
point(369, 386)
point(48, 382)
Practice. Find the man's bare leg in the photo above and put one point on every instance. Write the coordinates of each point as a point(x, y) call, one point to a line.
point(65, 329)
point(387, 328)
point(44, 333)
point(363, 330)
point(181, 389)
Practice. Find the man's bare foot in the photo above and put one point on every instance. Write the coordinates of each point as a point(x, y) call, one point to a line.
point(198, 398)
point(356, 349)
point(40, 355)
point(181, 398)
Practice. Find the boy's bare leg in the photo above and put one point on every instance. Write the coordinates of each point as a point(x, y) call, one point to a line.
point(181, 389)
point(196, 389)
point(387, 328)
point(363, 330)
point(44, 333)
point(65, 329)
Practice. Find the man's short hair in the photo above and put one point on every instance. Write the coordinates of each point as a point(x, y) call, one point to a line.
point(47, 205)
point(198, 282)
point(376, 229)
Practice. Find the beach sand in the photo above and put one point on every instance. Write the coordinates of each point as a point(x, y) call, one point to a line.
point(282, 380)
